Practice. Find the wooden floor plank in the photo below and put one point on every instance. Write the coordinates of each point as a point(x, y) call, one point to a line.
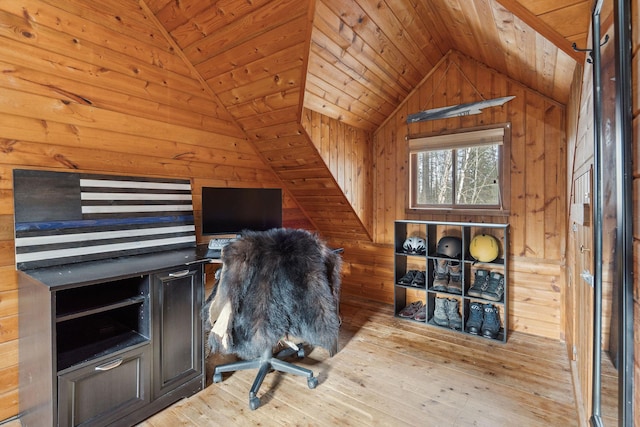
point(395, 373)
point(481, 359)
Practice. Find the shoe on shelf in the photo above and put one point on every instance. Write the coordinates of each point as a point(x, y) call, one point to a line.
point(454, 285)
point(480, 283)
point(410, 310)
point(491, 322)
point(421, 314)
point(407, 278)
point(440, 317)
point(418, 279)
point(453, 313)
point(495, 287)
point(476, 315)
point(440, 274)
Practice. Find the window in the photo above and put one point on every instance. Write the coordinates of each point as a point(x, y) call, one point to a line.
point(463, 170)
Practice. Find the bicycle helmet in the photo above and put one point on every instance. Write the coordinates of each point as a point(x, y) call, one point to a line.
point(450, 246)
point(484, 248)
point(414, 245)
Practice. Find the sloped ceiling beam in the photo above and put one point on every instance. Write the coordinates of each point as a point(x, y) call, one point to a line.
point(515, 7)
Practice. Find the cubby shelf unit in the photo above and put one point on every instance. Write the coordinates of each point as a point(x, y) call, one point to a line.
point(432, 232)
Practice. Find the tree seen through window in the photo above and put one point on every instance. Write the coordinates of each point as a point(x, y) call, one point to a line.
point(464, 175)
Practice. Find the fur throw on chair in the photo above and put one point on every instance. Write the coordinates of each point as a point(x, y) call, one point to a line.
point(273, 284)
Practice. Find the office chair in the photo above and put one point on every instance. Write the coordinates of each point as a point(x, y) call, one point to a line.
point(274, 284)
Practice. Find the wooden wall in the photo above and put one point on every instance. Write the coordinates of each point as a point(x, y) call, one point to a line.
point(64, 93)
point(538, 181)
point(347, 153)
point(578, 301)
point(253, 55)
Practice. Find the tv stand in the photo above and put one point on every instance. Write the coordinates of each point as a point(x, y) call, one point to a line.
point(102, 348)
point(111, 285)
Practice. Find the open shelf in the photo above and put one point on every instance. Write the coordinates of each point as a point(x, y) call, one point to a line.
point(432, 232)
point(101, 308)
point(99, 297)
point(93, 334)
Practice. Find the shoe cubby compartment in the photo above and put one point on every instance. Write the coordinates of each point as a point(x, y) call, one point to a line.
point(95, 320)
point(450, 270)
point(486, 326)
point(445, 311)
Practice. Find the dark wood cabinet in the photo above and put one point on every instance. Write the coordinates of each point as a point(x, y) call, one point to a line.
point(177, 298)
point(102, 345)
point(111, 285)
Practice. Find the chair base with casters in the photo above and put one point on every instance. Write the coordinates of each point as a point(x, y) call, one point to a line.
point(264, 365)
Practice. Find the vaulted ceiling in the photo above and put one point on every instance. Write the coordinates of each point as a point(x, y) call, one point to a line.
point(356, 60)
point(264, 61)
point(249, 68)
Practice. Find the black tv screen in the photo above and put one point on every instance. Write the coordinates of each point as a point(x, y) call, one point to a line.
point(227, 210)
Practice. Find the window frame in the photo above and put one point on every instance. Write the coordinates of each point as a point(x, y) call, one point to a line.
point(458, 139)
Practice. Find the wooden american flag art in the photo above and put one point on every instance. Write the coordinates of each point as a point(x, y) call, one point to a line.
point(63, 217)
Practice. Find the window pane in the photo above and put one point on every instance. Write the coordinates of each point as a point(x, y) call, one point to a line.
point(477, 175)
point(434, 177)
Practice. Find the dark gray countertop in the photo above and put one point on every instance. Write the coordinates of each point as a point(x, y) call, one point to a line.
point(69, 275)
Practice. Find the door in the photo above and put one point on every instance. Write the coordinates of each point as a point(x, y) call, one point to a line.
point(581, 281)
point(177, 330)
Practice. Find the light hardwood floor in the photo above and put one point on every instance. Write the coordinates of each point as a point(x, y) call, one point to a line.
point(391, 372)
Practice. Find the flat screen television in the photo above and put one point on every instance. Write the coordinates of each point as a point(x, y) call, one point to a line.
point(228, 210)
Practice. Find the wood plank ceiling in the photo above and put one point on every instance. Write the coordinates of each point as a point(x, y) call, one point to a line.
point(355, 61)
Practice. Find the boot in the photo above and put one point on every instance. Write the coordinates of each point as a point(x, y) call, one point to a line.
point(480, 283)
point(440, 271)
point(495, 287)
point(474, 322)
point(455, 277)
point(491, 324)
point(453, 313)
point(440, 312)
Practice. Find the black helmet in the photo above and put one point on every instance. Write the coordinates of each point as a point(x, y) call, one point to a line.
point(450, 246)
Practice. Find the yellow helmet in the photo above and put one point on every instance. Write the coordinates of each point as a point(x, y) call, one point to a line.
point(484, 248)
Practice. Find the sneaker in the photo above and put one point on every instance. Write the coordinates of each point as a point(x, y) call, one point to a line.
point(454, 285)
point(410, 310)
point(453, 313)
point(440, 275)
point(407, 278)
point(476, 314)
point(440, 312)
point(421, 314)
point(491, 323)
point(480, 283)
point(495, 287)
point(418, 279)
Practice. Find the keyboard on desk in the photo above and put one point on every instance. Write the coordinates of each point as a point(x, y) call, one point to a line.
point(216, 244)
point(220, 242)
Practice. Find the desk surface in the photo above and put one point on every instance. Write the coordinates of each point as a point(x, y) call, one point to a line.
point(114, 268)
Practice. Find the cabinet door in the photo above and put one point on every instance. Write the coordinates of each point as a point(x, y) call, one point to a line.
point(103, 391)
point(177, 329)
